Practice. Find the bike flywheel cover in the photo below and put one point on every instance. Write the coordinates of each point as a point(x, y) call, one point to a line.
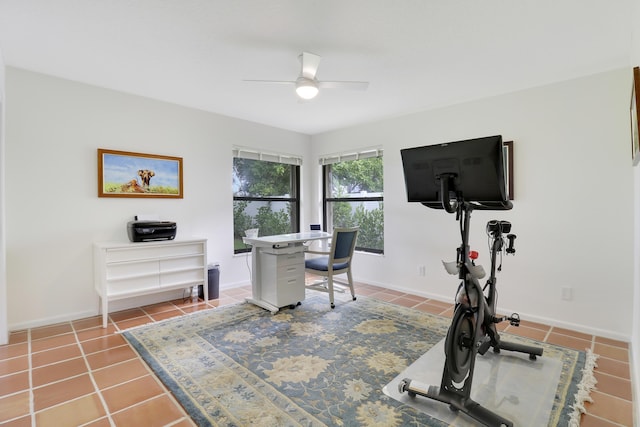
point(458, 345)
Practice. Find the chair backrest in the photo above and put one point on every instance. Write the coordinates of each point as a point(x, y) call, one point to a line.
point(344, 242)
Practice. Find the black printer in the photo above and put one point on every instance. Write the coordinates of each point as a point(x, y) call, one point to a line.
point(145, 231)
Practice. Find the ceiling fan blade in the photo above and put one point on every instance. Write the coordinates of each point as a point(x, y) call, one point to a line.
point(310, 64)
point(344, 85)
point(278, 82)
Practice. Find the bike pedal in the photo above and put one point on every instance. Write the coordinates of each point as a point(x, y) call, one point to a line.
point(484, 345)
point(514, 320)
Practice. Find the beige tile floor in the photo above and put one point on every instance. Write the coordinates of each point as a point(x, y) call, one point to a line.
point(79, 374)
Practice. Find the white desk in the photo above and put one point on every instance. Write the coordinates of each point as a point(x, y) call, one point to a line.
point(277, 278)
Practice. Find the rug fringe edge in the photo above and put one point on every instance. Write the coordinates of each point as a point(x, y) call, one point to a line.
point(585, 387)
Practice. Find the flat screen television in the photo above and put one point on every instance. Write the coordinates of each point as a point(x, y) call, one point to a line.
point(473, 170)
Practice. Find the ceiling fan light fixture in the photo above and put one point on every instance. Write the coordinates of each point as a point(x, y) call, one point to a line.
point(306, 88)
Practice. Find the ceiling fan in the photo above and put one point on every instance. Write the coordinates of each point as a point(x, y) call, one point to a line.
point(307, 85)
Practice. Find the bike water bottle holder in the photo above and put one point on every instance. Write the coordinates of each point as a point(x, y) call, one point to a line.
point(476, 271)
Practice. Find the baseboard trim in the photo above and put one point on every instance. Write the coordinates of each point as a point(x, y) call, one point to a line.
point(53, 320)
point(118, 305)
point(525, 316)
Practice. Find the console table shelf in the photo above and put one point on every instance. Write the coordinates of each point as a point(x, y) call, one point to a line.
point(125, 270)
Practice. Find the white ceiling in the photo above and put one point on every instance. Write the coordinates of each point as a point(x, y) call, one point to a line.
point(416, 54)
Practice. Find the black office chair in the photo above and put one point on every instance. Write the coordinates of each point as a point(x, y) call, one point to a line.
point(336, 261)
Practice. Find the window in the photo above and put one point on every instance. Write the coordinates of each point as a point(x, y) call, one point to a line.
point(353, 196)
point(265, 195)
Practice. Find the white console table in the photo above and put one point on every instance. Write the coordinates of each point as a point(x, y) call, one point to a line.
point(277, 278)
point(124, 270)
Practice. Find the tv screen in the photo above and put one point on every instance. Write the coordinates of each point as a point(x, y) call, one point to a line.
point(474, 167)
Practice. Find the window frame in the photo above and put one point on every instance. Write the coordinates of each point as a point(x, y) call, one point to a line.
point(326, 200)
point(295, 199)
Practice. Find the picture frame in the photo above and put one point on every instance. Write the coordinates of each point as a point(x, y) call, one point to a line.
point(129, 175)
point(634, 109)
point(507, 148)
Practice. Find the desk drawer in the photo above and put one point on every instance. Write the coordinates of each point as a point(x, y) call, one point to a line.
point(120, 287)
point(288, 291)
point(128, 270)
point(291, 291)
point(284, 260)
point(143, 251)
point(291, 270)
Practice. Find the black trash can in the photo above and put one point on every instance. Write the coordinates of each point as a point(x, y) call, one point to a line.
point(214, 282)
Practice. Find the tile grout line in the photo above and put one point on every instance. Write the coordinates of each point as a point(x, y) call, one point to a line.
point(91, 377)
point(141, 402)
point(607, 374)
point(593, 343)
point(32, 403)
point(146, 313)
point(165, 391)
point(604, 419)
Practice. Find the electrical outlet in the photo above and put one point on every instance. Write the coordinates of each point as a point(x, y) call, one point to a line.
point(567, 293)
point(422, 270)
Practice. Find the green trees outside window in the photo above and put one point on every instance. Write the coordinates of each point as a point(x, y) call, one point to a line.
point(265, 196)
point(353, 196)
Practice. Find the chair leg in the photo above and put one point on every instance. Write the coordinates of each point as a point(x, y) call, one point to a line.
point(353, 292)
point(330, 283)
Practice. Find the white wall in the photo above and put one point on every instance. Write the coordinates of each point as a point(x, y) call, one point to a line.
point(4, 329)
point(635, 338)
point(573, 202)
point(573, 208)
point(54, 128)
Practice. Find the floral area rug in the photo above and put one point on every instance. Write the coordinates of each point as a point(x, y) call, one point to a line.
point(240, 365)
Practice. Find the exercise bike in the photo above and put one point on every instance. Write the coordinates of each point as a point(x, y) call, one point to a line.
point(473, 328)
